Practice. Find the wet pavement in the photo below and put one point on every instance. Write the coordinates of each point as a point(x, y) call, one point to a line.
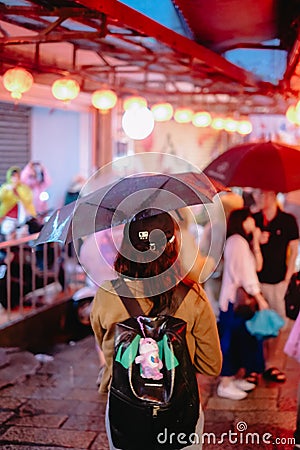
point(55, 404)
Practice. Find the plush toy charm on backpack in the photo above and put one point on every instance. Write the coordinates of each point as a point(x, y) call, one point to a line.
point(149, 359)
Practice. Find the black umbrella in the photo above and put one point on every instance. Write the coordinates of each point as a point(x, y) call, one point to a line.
point(119, 202)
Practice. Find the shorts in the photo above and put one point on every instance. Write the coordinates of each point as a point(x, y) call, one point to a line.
point(274, 294)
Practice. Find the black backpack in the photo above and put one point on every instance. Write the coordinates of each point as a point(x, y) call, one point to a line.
point(153, 399)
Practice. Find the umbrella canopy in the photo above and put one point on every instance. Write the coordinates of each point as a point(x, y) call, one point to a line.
point(119, 202)
point(265, 165)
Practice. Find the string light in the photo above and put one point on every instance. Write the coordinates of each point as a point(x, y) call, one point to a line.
point(140, 124)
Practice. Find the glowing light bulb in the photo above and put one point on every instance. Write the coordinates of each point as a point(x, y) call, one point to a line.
point(44, 196)
point(138, 123)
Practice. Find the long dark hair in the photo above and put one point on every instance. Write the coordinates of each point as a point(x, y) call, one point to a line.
point(159, 289)
point(235, 223)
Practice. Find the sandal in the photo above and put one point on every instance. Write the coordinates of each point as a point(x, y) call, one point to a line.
point(274, 374)
point(252, 378)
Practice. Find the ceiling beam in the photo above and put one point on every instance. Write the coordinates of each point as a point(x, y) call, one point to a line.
point(31, 11)
point(51, 37)
point(293, 59)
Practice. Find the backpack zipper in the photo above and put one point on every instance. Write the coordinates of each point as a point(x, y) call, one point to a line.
point(155, 410)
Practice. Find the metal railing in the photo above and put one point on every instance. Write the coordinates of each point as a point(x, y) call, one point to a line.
point(29, 274)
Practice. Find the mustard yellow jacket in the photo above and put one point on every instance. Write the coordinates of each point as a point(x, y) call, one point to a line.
point(8, 199)
point(202, 335)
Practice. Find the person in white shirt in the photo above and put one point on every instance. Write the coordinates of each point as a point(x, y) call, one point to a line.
point(242, 260)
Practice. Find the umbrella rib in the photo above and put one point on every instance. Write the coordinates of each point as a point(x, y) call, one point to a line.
point(153, 195)
point(112, 210)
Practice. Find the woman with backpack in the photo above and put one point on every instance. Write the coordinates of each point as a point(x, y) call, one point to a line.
point(148, 264)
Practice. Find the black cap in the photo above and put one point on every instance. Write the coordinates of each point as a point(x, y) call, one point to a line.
point(151, 232)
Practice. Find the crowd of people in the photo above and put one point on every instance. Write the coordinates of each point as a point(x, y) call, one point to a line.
point(23, 199)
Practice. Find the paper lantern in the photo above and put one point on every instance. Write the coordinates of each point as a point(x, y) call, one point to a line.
point(230, 125)
point(104, 99)
point(244, 127)
point(218, 123)
point(134, 102)
point(291, 114)
point(201, 119)
point(183, 115)
point(162, 112)
point(17, 81)
point(65, 89)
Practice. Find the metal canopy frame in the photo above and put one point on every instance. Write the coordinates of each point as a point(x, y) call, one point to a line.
point(108, 43)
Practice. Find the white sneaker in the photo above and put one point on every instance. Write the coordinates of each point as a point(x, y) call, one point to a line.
point(231, 391)
point(244, 385)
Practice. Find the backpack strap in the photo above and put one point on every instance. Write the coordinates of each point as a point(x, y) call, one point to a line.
point(130, 302)
point(133, 307)
point(181, 291)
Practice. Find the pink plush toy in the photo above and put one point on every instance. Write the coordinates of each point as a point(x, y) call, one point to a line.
point(149, 359)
